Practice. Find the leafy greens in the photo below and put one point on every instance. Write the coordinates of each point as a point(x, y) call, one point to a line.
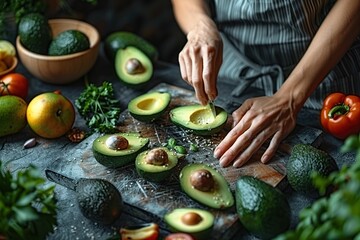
point(99, 107)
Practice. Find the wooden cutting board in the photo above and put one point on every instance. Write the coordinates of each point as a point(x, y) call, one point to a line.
point(160, 198)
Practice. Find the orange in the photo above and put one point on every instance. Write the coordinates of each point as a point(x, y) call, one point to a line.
point(50, 115)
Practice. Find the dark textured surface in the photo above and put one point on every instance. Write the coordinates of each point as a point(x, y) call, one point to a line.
point(145, 18)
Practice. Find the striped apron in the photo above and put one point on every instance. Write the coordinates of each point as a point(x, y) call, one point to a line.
point(265, 39)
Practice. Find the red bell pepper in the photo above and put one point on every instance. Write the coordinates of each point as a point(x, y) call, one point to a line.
point(340, 115)
point(148, 231)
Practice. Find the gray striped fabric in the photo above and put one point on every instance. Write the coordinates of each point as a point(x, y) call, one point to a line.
point(264, 39)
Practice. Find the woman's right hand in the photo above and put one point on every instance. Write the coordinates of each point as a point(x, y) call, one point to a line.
point(201, 58)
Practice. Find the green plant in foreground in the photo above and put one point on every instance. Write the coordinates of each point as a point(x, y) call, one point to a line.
point(27, 209)
point(334, 216)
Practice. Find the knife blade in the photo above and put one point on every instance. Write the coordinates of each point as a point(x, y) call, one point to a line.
point(212, 107)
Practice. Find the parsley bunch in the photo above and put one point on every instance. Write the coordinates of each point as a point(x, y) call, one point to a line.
point(99, 107)
point(27, 209)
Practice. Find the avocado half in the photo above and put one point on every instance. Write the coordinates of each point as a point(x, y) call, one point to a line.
point(133, 67)
point(149, 106)
point(116, 158)
point(199, 119)
point(122, 39)
point(155, 173)
point(220, 197)
point(194, 221)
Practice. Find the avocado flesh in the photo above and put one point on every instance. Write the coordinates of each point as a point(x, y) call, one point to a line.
point(149, 106)
point(122, 39)
point(220, 197)
point(199, 119)
point(155, 173)
point(200, 230)
point(117, 158)
point(262, 209)
point(133, 79)
point(303, 161)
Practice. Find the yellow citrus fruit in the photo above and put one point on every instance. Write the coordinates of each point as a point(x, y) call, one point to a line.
point(6, 49)
point(50, 115)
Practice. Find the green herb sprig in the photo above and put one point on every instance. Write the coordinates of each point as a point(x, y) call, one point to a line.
point(99, 107)
point(27, 208)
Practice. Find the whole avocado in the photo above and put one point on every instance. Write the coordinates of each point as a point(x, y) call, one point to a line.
point(68, 42)
point(303, 162)
point(35, 33)
point(99, 200)
point(262, 209)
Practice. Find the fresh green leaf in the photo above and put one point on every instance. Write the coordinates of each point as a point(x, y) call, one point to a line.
point(99, 107)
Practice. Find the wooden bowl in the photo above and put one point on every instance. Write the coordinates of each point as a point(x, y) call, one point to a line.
point(66, 68)
point(11, 62)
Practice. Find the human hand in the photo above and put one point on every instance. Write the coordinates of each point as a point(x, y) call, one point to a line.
point(256, 121)
point(201, 58)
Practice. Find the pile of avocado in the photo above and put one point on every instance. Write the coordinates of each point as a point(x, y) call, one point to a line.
point(132, 56)
point(35, 35)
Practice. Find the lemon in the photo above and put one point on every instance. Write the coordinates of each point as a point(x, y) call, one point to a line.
point(6, 49)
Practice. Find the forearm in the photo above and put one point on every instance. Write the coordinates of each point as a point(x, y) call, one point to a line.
point(333, 39)
point(189, 12)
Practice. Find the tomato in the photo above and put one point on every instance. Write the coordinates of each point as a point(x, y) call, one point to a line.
point(14, 84)
point(179, 236)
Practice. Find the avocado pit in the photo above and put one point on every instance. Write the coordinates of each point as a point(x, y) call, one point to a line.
point(117, 142)
point(202, 180)
point(134, 66)
point(191, 218)
point(157, 156)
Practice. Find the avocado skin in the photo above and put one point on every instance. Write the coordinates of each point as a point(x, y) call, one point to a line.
point(68, 42)
point(172, 223)
point(35, 33)
point(303, 161)
point(224, 196)
point(202, 132)
point(99, 200)
point(152, 117)
point(135, 81)
point(262, 209)
point(117, 161)
point(122, 39)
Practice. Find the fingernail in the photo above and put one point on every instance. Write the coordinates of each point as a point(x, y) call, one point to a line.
point(216, 153)
point(264, 158)
point(222, 162)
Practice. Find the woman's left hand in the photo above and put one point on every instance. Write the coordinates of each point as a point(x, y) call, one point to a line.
point(256, 121)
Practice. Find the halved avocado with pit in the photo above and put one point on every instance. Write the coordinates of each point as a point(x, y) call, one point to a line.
point(116, 150)
point(205, 185)
point(194, 221)
point(156, 165)
point(199, 119)
point(149, 106)
point(133, 67)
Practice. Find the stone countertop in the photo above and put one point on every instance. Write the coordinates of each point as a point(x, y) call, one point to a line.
point(62, 153)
